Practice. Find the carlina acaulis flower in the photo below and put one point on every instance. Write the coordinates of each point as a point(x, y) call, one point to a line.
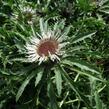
point(28, 14)
point(47, 45)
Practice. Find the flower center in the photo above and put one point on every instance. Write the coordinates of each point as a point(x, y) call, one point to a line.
point(47, 46)
point(28, 15)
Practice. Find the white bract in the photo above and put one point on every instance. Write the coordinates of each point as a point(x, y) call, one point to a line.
point(47, 45)
point(27, 12)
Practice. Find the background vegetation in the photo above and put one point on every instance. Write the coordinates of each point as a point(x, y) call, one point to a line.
point(80, 80)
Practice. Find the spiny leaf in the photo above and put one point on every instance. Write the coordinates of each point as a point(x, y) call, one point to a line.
point(25, 83)
point(78, 38)
point(68, 79)
point(20, 35)
point(81, 64)
point(76, 48)
point(39, 76)
point(19, 60)
point(58, 79)
point(73, 86)
point(103, 2)
point(41, 25)
point(105, 11)
point(52, 96)
point(89, 74)
point(66, 31)
point(98, 101)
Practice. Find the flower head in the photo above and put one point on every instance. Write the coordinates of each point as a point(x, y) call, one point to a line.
point(48, 45)
point(27, 13)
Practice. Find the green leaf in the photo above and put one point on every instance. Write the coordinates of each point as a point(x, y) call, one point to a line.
point(98, 101)
point(58, 79)
point(39, 76)
point(84, 5)
point(94, 54)
point(106, 11)
point(89, 74)
point(81, 64)
point(41, 25)
point(52, 96)
point(66, 31)
point(33, 31)
point(4, 72)
point(77, 48)
point(103, 2)
point(68, 79)
point(73, 86)
point(20, 35)
point(79, 38)
point(20, 26)
point(25, 83)
point(19, 60)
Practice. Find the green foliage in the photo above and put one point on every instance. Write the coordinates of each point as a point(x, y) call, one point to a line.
point(79, 79)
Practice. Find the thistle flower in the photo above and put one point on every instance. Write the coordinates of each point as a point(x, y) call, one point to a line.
point(47, 45)
point(27, 13)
